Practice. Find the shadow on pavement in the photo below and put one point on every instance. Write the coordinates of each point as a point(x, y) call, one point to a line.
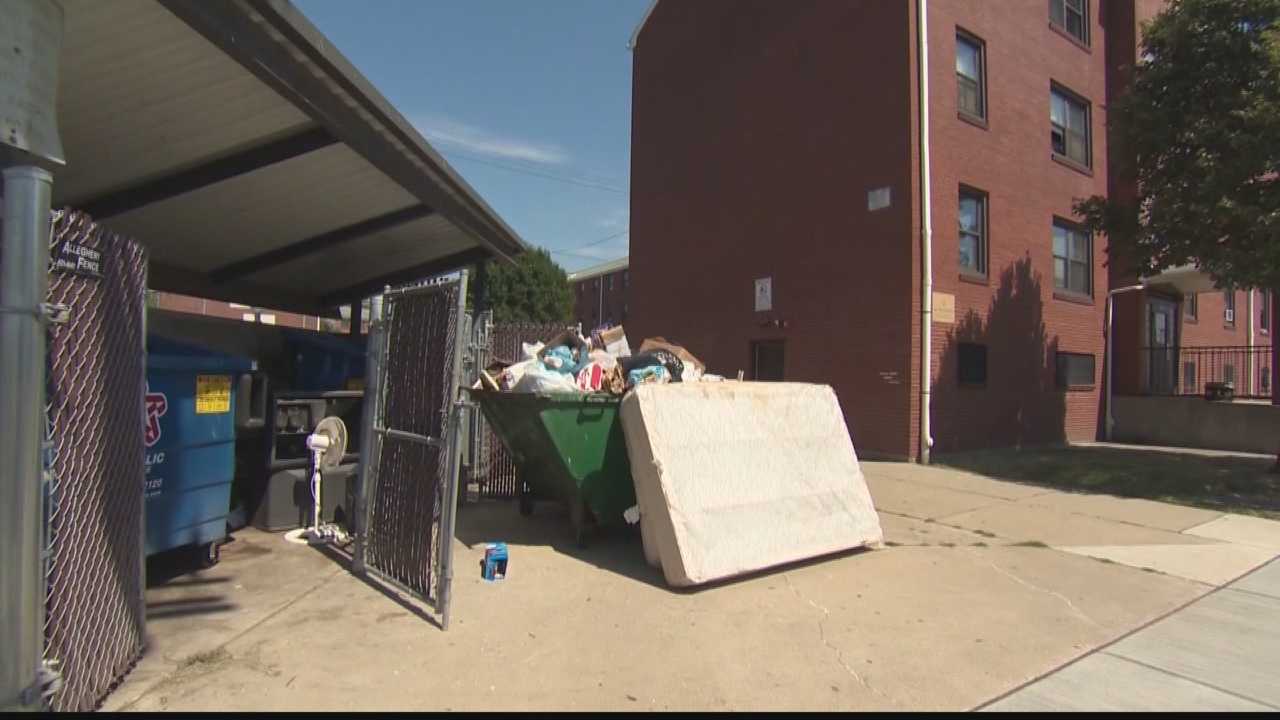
point(1222, 483)
point(618, 550)
point(341, 556)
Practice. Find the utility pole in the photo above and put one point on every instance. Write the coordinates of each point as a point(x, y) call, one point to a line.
point(30, 43)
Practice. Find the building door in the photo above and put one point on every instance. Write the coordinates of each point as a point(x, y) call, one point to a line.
point(1162, 344)
point(767, 360)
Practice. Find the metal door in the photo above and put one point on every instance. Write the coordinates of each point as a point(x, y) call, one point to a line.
point(410, 468)
point(1162, 355)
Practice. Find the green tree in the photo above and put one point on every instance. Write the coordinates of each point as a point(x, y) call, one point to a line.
point(534, 289)
point(1199, 131)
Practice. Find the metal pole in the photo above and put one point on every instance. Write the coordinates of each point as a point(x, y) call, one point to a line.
point(1248, 354)
point(372, 407)
point(24, 279)
point(448, 513)
point(926, 234)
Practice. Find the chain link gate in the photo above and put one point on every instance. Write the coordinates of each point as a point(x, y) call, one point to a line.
point(409, 486)
point(95, 607)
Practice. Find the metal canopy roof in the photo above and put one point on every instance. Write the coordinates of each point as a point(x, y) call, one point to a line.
point(256, 164)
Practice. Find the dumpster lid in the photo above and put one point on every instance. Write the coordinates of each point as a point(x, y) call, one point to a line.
point(167, 354)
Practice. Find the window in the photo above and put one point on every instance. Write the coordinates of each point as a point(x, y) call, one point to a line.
point(1191, 307)
point(972, 364)
point(1069, 127)
point(971, 77)
point(1264, 322)
point(1189, 378)
point(1075, 370)
point(1229, 307)
point(973, 232)
point(626, 278)
point(610, 283)
point(1072, 17)
point(1072, 259)
point(766, 360)
point(625, 307)
point(1229, 373)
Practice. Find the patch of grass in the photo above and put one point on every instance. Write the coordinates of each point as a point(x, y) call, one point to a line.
point(1108, 561)
point(1224, 484)
point(890, 543)
point(984, 533)
point(979, 544)
point(1030, 543)
point(948, 544)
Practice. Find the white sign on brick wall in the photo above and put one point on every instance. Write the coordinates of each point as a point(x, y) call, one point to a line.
point(878, 199)
point(764, 294)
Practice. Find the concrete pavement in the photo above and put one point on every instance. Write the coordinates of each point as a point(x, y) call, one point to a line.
point(969, 600)
point(1219, 653)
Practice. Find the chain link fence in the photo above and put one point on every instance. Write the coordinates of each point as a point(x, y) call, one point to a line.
point(493, 469)
point(95, 611)
point(413, 458)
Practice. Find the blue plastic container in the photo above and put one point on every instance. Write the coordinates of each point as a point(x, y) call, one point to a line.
point(325, 361)
point(190, 439)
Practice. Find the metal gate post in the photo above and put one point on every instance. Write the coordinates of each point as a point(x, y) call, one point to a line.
point(24, 262)
point(449, 495)
point(368, 439)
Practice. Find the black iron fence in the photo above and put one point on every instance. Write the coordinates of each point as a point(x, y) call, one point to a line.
point(1197, 370)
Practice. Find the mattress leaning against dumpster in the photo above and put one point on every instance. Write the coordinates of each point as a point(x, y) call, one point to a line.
point(724, 477)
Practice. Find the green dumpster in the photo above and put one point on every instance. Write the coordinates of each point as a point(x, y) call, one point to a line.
point(566, 447)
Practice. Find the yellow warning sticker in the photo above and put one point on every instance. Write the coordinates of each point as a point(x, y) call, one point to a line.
point(213, 394)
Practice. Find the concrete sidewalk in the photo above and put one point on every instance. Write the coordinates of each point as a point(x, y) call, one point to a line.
point(1221, 652)
point(983, 587)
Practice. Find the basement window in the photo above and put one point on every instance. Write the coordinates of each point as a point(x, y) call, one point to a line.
point(972, 364)
point(1075, 371)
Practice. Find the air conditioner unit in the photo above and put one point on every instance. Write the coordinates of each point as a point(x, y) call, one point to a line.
point(1229, 315)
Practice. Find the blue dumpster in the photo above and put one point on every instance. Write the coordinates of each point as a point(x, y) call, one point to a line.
point(190, 439)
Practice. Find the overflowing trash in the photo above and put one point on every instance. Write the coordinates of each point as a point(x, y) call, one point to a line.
point(602, 363)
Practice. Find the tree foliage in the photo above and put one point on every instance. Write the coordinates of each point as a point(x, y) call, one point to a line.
point(534, 289)
point(1200, 129)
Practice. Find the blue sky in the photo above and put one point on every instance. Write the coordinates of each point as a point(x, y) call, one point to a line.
point(529, 100)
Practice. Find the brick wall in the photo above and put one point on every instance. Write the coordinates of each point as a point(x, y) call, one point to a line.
point(217, 308)
point(758, 128)
point(600, 299)
point(1016, 311)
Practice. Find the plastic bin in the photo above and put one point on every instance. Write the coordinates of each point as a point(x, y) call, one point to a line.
point(190, 445)
point(566, 447)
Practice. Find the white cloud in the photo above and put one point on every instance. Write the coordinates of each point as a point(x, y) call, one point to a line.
point(482, 142)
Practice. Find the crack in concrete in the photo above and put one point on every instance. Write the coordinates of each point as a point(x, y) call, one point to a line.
point(1066, 600)
point(822, 635)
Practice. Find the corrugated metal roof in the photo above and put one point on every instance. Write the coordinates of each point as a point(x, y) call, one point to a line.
point(217, 132)
point(140, 94)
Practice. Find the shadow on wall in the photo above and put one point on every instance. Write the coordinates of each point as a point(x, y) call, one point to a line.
point(1014, 400)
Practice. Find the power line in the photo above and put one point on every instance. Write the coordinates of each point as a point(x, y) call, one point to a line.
point(590, 244)
point(568, 179)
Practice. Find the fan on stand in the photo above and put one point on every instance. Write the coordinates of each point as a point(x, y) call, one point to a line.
point(328, 445)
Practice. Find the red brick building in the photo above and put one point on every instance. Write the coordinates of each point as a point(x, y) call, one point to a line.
point(601, 294)
point(777, 211)
point(1167, 342)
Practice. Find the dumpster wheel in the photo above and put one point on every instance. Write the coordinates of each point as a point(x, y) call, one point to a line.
point(210, 554)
